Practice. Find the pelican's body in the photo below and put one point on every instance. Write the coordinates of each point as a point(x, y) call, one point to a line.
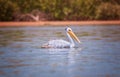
point(61, 43)
point(57, 44)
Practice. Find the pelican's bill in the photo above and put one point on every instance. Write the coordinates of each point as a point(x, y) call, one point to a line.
point(74, 36)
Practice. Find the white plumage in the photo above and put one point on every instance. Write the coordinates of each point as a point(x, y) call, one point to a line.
point(61, 43)
point(57, 44)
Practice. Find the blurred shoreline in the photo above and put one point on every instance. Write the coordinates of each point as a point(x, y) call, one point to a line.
point(60, 23)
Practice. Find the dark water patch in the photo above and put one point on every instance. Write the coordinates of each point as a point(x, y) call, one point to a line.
point(7, 37)
point(14, 66)
point(2, 72)
point(15, 61)
point(16, 72)
point(60, 34)
point(96, 38)
point(1, 53)
point(18, 65)
point(81, 34)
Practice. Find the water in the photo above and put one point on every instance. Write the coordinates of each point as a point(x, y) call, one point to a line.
point(21, 54)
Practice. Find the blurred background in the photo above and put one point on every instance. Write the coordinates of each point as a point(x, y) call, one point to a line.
point(42, 10)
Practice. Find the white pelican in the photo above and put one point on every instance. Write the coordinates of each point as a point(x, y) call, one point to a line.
point(61, 43)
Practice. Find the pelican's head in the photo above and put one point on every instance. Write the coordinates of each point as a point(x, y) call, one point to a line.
point(72, 35)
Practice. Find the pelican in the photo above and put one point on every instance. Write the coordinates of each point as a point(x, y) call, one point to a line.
point(62, 43)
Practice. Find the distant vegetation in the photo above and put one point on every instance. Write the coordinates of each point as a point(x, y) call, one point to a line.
point(35, 10)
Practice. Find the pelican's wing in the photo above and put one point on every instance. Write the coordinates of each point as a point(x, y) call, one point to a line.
point(57, 44)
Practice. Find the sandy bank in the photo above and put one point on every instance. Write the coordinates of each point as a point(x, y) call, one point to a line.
point(59, 23)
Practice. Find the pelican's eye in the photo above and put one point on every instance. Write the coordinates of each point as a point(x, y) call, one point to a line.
point(69, 30)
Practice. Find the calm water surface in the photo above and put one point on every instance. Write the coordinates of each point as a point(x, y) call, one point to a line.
point(21, 54)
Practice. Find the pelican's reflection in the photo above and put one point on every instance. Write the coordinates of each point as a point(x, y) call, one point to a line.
point(72, 61)
point(70, 53)
point(65, 58)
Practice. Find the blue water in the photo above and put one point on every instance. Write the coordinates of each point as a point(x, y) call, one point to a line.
point(21, 54)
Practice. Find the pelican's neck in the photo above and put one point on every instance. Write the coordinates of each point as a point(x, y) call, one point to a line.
point(71, 40)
